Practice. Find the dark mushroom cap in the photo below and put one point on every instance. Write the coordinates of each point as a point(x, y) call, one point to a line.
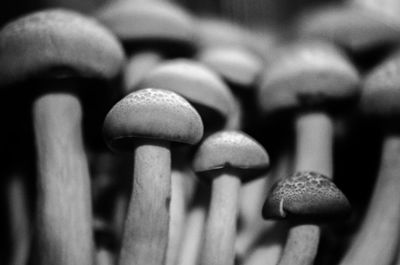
point(57, 42)
point(355, 27)
point(195, 82)
point(307, 74)
point(380, 95)
point(148, 21)
point(151, 113)
point(235, 64)
point(231, 151)
point(305, 196)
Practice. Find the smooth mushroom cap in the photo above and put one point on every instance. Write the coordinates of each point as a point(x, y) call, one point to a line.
point(355, 27)
point(305, 196)
point(235, 64)
point(380, 95)
point(194, 81)
point(231, 150)
point(307, 74)
point(154, 114)
point(57, 42)
point(144, 21)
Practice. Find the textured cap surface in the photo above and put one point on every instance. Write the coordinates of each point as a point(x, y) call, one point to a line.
point(59, 42)
point(381, 92)
point(193, 81)
point(307, 74)
point(236, 65)
point(151, 113)
point(305, 196)
point(353, 26)
point(231, 150)
point(134, 21)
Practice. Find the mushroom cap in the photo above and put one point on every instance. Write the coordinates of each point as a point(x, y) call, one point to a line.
point(307, 74)
point(355, 27)
point(195, 82)
point(57, 42)
point(305, 196)
point(380, 96)
point(154, 114)
point(148, 21)
point(231, 151)
point(236, 65)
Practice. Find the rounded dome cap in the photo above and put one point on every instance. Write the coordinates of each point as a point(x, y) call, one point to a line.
point(236, 65)
point(195, 82)
point(305, 196)
point(307, 74)
point(380, 95)
point(355, 27)
point(231, 150)
point(137, 21)
point(59, 42)
point(151, 113)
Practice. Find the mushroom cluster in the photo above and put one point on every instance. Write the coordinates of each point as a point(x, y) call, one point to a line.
point(201, 133)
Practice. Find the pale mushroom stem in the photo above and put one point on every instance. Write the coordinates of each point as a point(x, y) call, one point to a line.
point(177, 218)
point(376, 241)
point(146, 228)
point(64, 221)
point(314, 136)
point(220, 230)
point(138, 65)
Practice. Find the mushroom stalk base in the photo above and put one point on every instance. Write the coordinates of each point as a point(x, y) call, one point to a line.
point(146, 228)
point(376, 241)
point(220, 230)
point(63, 219)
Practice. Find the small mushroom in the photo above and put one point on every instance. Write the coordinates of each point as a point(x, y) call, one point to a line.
point(144, 123)
point(226, 159)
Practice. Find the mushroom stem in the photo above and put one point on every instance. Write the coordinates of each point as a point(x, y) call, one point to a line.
point(220, 230)
point(63, 229)
point(376, 241)
point(146, 228)
point(138, 65)
point(314, 132)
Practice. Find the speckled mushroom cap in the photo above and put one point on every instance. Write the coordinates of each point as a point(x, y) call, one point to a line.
point(195, 82)
point(151, 113)
point(380, 95)
point(142, 20)
point(57, 42)
point(355, 27)
point(307, 74)
point(231, 150)
point(236, 65)
point(305, 196)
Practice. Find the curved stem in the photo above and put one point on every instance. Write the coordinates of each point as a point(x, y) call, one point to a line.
point(64, 223)
point(376, 241)
point(313, 153)
point(220, 230)
point(138, 65)
point(146, 228)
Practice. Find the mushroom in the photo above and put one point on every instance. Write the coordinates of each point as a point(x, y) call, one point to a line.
point(150, 31)
point(145, 122)
point(214, 102)
point(50, 52)
point(309, 77)
point(226, 159)
point(377, 239)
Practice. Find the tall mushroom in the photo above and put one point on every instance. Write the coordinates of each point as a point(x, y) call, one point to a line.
point(146, 122)
point(55, 53)
point(226, 159)
point(378, 236)
point(309, 77)
point(151, 31)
